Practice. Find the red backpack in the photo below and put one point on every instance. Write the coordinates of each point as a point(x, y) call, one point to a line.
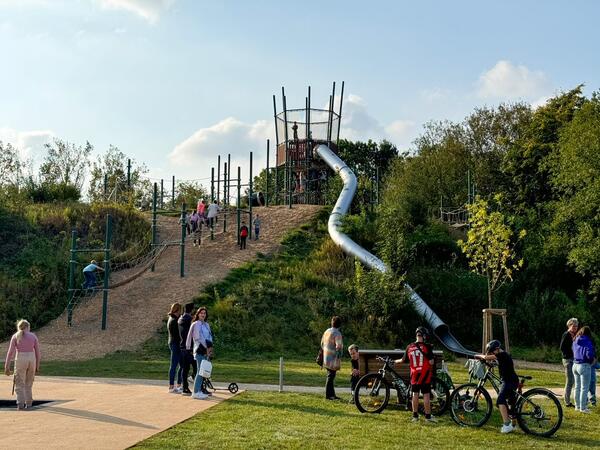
point(244, 231)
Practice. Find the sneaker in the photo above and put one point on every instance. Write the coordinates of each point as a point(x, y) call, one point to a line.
point(199, 396)
point(569, 405)
point(414, 419)
point(585, 411)
point(507, 428)
point(186, 392)
point(431, 419)
point(175, 391)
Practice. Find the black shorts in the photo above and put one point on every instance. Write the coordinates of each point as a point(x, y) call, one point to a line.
point(424, 388)
point(507, 393)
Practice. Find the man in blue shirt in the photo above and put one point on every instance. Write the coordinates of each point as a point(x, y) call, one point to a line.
point(90, 275)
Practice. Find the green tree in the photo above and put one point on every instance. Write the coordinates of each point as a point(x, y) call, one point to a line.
point(65, 164)
point(575, 225)
point(10, 165)
point(489, 246)
point(114, 164)
point(189, 192)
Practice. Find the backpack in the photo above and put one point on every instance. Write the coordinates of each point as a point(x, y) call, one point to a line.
point(244, 232)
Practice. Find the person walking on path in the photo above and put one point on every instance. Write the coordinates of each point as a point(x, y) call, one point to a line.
point(243, 235)
point(419, 355)
point(187, 358)
point(24, 349)
point(200, 340)
point(175, 347)
point(89, 273)
point(566, 348)
point(332, 345)
point(584, 357)
point(257, 224)
point(213, 211)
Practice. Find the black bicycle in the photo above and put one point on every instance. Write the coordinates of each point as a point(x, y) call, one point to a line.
point(372, 392)
point(537, 411)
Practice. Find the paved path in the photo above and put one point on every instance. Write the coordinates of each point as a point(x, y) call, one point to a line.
point(95, 413)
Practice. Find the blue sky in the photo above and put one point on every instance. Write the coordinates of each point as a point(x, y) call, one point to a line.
point(172, 83)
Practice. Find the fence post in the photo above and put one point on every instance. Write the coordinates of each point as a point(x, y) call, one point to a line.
point(182, 245)
point(162, 192)
point(225, 199)
point(72, 263)
point(173, 192)
point(105, 187)
point(239, 205)
point(281, 374)
point(107, 242)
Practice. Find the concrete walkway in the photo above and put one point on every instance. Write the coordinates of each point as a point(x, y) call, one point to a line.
point(95, 413)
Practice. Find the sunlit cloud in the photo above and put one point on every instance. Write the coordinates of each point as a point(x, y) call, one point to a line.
point(150, 10)
point(506, 81)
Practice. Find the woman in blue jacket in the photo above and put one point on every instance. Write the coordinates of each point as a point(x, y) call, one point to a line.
point(584, 356)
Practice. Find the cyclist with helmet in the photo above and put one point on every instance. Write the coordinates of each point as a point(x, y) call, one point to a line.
point(419, 355)
point(510, 380)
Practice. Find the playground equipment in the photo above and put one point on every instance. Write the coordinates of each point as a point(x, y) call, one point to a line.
point(300, 177)
point(488, 330)
point(440, 329)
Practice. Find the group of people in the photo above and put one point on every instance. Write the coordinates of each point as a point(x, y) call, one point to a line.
point(419, 356)
point(190, 342)
point(24, 350)
point(207, 215)
point(580, 361)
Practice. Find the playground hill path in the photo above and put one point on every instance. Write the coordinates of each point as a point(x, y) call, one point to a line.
point(136, 310)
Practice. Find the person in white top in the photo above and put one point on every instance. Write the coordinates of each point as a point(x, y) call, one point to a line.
point(213, 210)
point(201, 337)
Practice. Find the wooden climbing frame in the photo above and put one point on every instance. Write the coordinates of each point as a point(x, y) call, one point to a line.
point(488, 329)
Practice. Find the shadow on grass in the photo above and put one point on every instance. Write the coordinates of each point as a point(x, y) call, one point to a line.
point(293, 407)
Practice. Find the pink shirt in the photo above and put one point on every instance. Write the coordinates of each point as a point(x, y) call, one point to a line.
point(28, 343)
point(201, 208)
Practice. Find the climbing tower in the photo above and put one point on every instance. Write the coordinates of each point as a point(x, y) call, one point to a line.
point(300, 176)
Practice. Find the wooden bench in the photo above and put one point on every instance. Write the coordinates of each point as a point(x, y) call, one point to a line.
point(367, 361)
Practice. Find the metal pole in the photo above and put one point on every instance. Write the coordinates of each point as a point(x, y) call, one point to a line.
point(107, 241)
point(173, 192)
point(72, 263)
point(105, 186)
point(182, 244)
point(239, 187)
point(129, 174)
point(281, 374)
point(218, 178)
point(287, 151)
point(212, 184)
point(250, 201)
point(329, 121)
point(225, 198)
point(228, 175)
point(340, 118)
point(154, 195)
point(276, 152)
point(267, 188)
point(162, 191)
point(376, 185)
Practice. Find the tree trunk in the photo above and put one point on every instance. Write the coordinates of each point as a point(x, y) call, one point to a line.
point(489, 293)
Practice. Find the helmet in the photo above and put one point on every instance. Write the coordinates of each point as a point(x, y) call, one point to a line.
point(492, 345)
point(423, 332)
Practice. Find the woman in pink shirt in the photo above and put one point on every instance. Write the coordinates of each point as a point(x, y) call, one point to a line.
point(25, 350)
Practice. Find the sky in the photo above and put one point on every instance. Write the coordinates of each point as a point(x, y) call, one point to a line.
point(174, 83)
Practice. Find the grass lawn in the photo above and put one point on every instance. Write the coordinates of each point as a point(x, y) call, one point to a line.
point(270, 420)
point(303, 372)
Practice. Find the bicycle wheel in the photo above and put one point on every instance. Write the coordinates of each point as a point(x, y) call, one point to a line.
point(470, 406)
point(372, 393)
point(440, 397)
point(539, 412)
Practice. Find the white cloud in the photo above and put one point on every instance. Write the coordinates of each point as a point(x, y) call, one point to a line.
point(29, 143)
point(507, 81)
point(150, 10)
point(194, 157)
point(359, 124)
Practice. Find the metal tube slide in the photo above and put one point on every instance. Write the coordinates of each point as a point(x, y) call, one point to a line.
point(342, 205)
